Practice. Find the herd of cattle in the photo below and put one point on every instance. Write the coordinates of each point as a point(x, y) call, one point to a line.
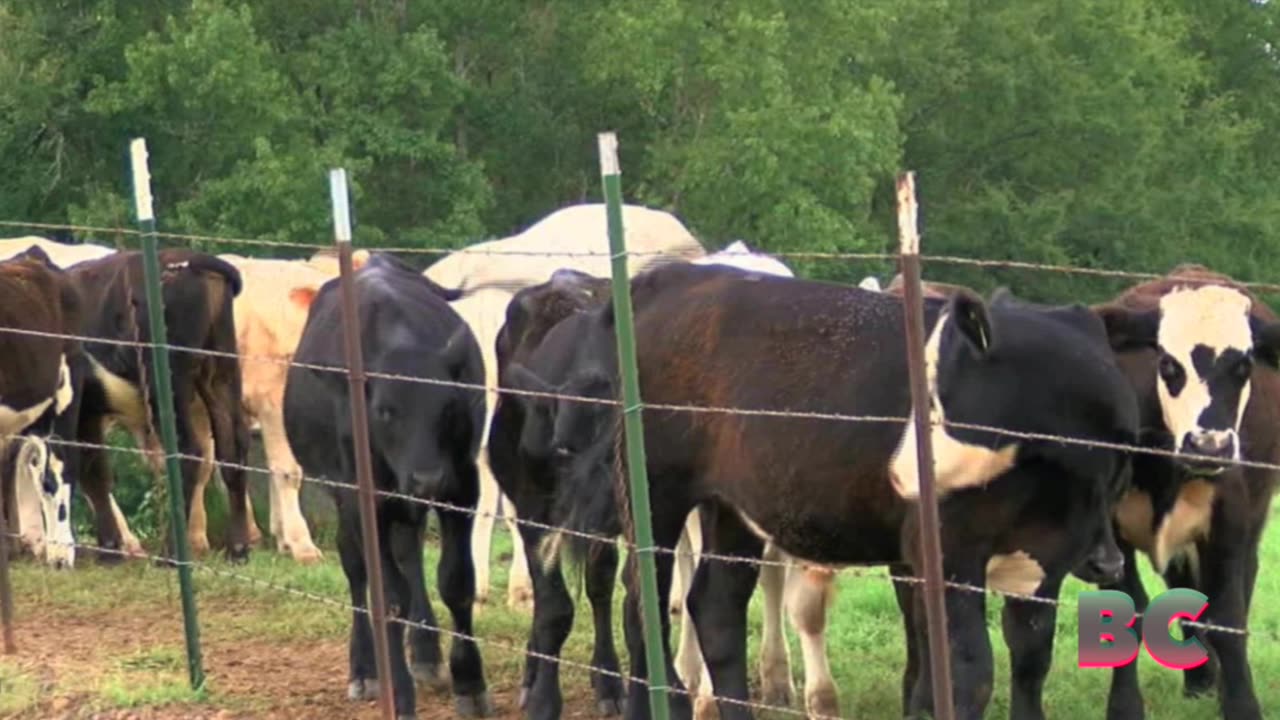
point(1185, 364)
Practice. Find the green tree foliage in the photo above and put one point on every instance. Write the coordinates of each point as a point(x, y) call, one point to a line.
point(1132, 134)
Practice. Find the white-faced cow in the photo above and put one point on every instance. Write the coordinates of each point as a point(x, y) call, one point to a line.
point(572, 237)
point(424, 439)
point(1015, 512)
point(1202, 353)
point(198, 291)
point(40, 380)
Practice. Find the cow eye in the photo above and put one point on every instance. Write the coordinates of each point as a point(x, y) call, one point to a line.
point(35, 461)
point(1169, 368)
point(385, 414)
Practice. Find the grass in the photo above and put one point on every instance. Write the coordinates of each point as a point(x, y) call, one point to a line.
point(18, 690)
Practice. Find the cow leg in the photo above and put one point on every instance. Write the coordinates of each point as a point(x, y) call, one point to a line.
point(667, 523)
point(401, 549)
point(971, 658)
point(718, 600)
point(95, 483)
point(1124, 701)
point(221, 396)
point(456, 580)
point(287, 522)
point(810, 592)
point(905, 593)
point(197, 520)
point(482, 531)
point(601, 574)
point(362, 668)
point(689, 656)
point(1202, 680)
point(1028, 633)
point(540, 695)
point(776, 687)
point(519, 584)
point(424, 644)
point(1224, 568)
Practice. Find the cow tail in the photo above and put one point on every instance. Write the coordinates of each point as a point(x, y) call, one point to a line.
point(200, 262)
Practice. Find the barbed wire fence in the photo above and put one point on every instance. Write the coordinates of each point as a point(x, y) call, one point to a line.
point(631, 546)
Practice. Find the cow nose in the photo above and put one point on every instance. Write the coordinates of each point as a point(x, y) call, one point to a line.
point(1108, 568)
point(1212, 443)
point(426, 481)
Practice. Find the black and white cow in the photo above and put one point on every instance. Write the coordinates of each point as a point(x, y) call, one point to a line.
point(1202, 353)
point(424, 439)
point(1016, 512)
point(41, 377)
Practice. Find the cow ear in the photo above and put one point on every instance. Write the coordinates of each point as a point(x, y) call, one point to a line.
point(1129, 329)
point(518, 377)
point(303, 296)
point(37, 253)
point(1002, 297)
point(1266, 341)
point(971, 318)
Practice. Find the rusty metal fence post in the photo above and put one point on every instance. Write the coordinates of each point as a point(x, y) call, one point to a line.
point(6, 586)
point(360, 438)
point(927, 503)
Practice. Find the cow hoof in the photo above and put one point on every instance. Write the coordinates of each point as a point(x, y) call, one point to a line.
point(199, 545)
point(823, 702)
point(775, 694)
point(433, 676)
point(473, 706)
point(609, 708)
point(109, 556)
point(306, 554)
point(238, 554)
point(363, 689)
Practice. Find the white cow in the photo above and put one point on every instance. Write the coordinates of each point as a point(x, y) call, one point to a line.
point(573, 237)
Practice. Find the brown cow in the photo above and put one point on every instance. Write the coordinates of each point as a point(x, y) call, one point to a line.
point(198, 291)
point(1201, 351)
point(40, 379)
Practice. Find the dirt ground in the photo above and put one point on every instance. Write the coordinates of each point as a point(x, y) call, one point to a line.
point(67, 653)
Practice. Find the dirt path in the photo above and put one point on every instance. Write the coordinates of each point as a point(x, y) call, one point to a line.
point(70, 656)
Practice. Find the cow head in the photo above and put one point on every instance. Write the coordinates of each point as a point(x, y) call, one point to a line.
point(558, 428)
point(1206, 341)
point(413, 424)
point(39, 473)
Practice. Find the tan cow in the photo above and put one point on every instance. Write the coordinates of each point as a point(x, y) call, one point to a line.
point(270, 313)
point(573, 237)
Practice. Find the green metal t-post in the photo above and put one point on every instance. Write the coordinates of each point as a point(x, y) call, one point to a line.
point(655, 659)
point(163, 384)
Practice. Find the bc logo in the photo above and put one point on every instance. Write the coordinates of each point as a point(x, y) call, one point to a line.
point(1108, 639)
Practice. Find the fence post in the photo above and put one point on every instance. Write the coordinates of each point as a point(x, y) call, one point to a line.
point(6, 586)
point(163, 382)
point(655, 660)
point(360, 438)
point(927, 504)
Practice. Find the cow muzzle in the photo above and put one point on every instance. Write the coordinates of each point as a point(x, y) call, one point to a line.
point(1104, 566)
point(426, 483)
point(1208, 452)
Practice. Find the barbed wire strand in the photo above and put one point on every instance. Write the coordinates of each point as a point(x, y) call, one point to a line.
point(858, 571)
point(672, 254)
point(715, 409)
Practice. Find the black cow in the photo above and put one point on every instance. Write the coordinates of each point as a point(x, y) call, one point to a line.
point(1201, 351)
point(41, 377)
point(424, 439)
point(545, 318)
point(198, 291)
point(840, 493)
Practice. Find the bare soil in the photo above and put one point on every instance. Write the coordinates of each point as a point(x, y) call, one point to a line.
point(69, 653)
